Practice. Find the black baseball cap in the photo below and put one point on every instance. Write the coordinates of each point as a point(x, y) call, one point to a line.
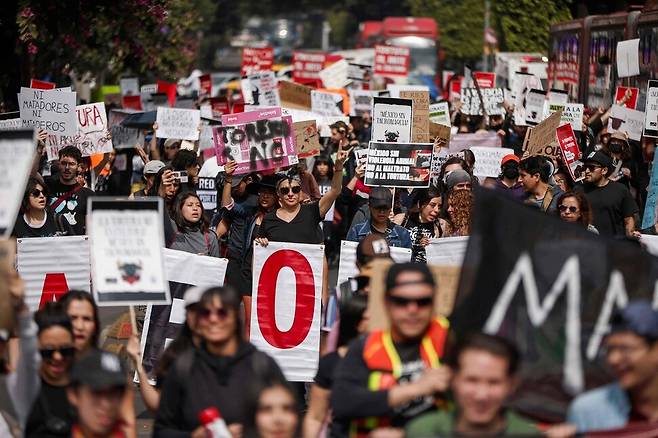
point(99, 370)
point(380, 197)
point(638, 317)
point(600, 158)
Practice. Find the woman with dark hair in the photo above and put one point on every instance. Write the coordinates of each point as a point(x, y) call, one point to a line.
point(192, 231)
point(353, 322)
point(51, 414)
point(83, 313)
point(274, 411)
point(35, 218)
point(422, 221)
point(221, 366)
point(563, 179)
point(460, 206)
point(166, 187)
point(323, 172)
point(574, 207)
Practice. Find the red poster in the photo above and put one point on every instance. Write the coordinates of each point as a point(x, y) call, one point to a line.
point(132, 102)
point(169, 89)
point(570, 151)
point(455, 88)
point(256, 59)
point(391, 61)
point(219, 107)
point(632, 100)
point(238, 107)
point(205, 86)
point(306, 66)
point(485, 79)
point(41, 85)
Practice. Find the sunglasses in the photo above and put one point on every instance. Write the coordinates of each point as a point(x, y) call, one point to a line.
point(205, 313)
point(66, 352)
point(404, 302)
point(286, 190)
point(570, 209)
point(36, 193)
point(591, 167)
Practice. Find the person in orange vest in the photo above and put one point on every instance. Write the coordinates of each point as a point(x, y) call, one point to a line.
point(390, 377)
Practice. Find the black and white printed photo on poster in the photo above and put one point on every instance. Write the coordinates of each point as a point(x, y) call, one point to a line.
point(127, 265)
point(399, 164)
point(391, 120)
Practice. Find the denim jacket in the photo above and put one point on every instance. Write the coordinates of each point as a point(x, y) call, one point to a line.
point(607, 407)
point(395, 234)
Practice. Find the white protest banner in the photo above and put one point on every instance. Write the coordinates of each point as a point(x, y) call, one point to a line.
point(93, 134)
point(126, 238)
point(11, 124)
point(122, 137)
point(558, 97)
point(129, 86)
point(335, 76)
point(148, 88)
point(51, 266)
point(534, 106)
point(493, 101)
point(360, 102)
point(392, 119)
point(626, 120)
point(399, 164)
point(206, 137)
point(628, 58)
point(260, 89)
point(572, 113)
point(651, 243)
point(178, 123)
point(522, 83)
point(50, 110)
point(347, 264)
point(458, 142)
point(286, 306)
point(361, 156)
point(447, 251)
point(651, 110)
point(440, 113)
point(487, 160)
point(17, 149)
point(327, 104)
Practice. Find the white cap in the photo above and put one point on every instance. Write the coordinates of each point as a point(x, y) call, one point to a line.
point(193, 295)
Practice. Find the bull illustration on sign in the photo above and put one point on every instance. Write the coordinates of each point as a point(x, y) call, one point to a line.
point(130, 272)
point(392, 137)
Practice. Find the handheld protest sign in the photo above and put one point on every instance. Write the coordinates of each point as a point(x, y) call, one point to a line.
point(392, 119)
point(651, 110)
point(178, 123)
point(50, 110)
point(399, 164)
point(285, 317)
point(347, 263)
point(420, 129)
point(127, 264)
point(17, 149)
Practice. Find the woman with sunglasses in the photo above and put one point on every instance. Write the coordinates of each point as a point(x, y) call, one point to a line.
point(192, 231)
point(83, 313)
point(574, 207)
point(51, 414)
point(35, 218)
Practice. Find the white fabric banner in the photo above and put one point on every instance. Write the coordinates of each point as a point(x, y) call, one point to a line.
point(17, 149)
point(347, 265)
point(178, 123)
point(194, 269)
point(285, 316)
point(446, 251)
point(487, 160)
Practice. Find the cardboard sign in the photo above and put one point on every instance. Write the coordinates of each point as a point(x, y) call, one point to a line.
point(256, 140)
point(295, 95)
point(540, 140)
point(261, 90)
point(327, 104)
point(122, 137)
point(570, 152)
point(178, 123)
point(307, 66)
point(17, 149)
point(485, 79)
point(399, 164)
point(42, 85)
point(256, 59)
point(126, 238)
point(51, 266)
point(391, 61)
point(286, 306)
point(347, 263)
point(360, 102)
point(493, 101)
point(420, 125)
point(129, 86)
point(394, 90)
point(632, 100)
point(626, 120)
point(487, 160)
point(169, 90)
point(534, 106)
point(628, 58)
point(335, 76)
point(205, 86)
point(307, 139)
point(651, 114)
point(440, 113)
point(50, 110)
point(392, 119)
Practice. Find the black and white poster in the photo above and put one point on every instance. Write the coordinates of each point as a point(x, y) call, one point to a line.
point(399, 164)
point(493, 101)
point(392, 120)
point(17, 150)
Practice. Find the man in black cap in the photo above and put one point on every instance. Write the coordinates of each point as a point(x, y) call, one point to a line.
point(631, 351)
point(613, 206)
point(380, 204)
point(98, 385)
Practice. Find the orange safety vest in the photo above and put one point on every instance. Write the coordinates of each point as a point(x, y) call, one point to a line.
point(385, 366)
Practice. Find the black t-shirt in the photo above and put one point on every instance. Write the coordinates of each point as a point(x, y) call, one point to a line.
point(304, 228)
point(610, 205)
point(71, 212)
point(417, 231)
point(22, 229)
point(51, 407)
point(326, 369)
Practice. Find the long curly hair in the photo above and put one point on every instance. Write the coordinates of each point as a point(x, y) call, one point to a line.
point(460, 207)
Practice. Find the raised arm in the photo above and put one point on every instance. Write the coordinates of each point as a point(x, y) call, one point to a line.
point(229, 168)
point(328, 198)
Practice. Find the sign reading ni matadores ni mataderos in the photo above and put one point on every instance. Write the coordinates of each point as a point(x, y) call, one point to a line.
point(50, 110)
point(285, 317)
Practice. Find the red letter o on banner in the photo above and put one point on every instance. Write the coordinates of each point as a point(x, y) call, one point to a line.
point(304, 299)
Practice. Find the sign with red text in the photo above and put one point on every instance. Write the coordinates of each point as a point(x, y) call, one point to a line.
point(570, 151)
point(256, 59)
point(51, 266)
point(485, 79)
point(631, 102)
point(306, 66)
point(286, 306)
point(391, 61)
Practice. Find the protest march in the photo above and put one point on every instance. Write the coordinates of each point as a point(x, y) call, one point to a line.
point(372, 236)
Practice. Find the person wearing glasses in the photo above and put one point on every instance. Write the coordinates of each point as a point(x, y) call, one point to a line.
point(52, 414)
point(35, 218)
point(574, 207)
point(392, 376)
point(215, 373)
point(613, 206)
